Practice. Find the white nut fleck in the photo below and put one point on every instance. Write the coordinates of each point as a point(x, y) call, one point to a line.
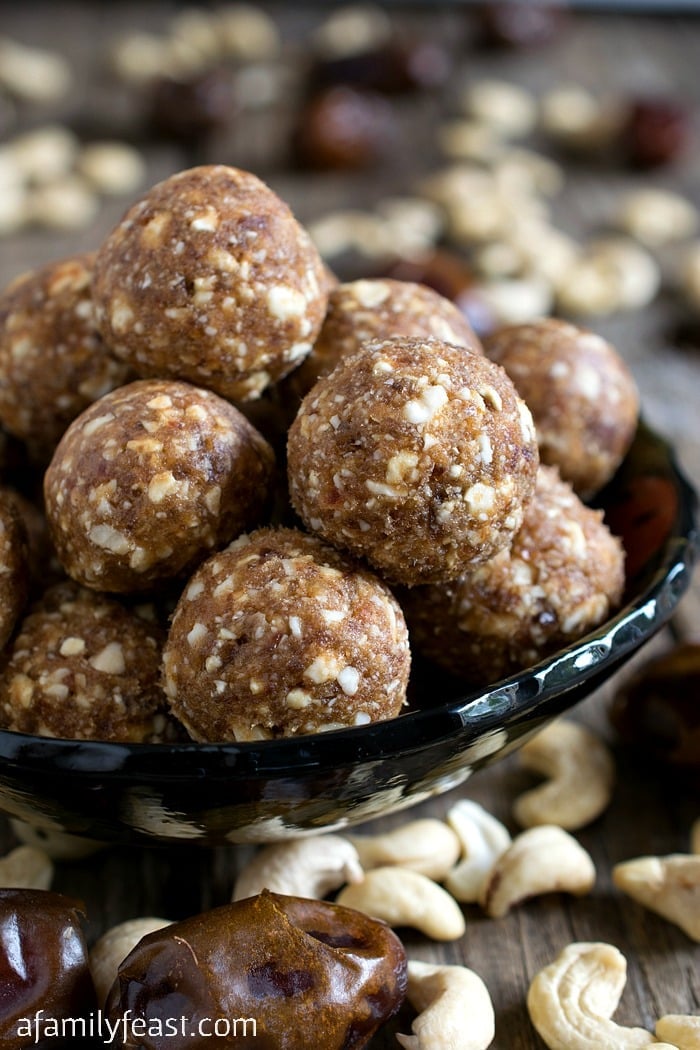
point(428, 846)
point(110, 659)
point(581, 776)
point(26, 867)
point(107, 954)
point(402, 897)
point(544, 859)
point(670, 886)
point(483, 839)
point(455, 1009)
point(311, 867)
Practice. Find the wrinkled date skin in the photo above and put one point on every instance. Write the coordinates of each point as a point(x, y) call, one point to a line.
point(43, 965)
point(307, 972)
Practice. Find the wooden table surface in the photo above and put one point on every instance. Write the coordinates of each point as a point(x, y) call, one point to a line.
point(651, 812)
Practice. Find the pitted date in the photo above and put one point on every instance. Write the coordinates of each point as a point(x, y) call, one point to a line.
point(290, 965)
point(43, 967)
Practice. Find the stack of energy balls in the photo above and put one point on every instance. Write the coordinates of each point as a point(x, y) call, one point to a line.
point(184, 582)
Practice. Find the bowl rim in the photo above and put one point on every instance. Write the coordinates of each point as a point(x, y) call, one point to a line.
point(483, 709)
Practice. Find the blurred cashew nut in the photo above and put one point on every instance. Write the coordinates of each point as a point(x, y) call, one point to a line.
point(107, 953)
point(581, 776)
point(309, 867)
point(455, 1009)
point(402, 897)
point(670, 886)
point(427, 846)
point(26, 868)
point(681, 1030)
point(571, 1001)
point(59, 845)
point(483, 840)
point(542, 860)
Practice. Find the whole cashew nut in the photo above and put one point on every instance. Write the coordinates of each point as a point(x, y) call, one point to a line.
point(112, 948)
point(483, 840)
point(670, 886)
point(542, 860)
point(26, 868)
point(427, 846)
point(402, 897)
point(571, 1001)
point(59, 845)
point(581, 774)
point(681, 1030)
point(309, 867)
point(455, 1009)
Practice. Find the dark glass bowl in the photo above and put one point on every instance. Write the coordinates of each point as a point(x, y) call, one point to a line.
point(254, 792)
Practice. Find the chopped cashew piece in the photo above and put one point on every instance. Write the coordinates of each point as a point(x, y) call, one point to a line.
point(571, 1001)
point(113, 947)
point(427, 846)
point(681, 1030)
point(670, 886)
point(403, 897)
point(581, 774)
point(303, 868)
point(542, 860)
point(455, 1009)
point(695, 837)
point(26, 868)
point(483, 840)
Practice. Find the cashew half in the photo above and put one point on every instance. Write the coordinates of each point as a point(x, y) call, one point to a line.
point(309, 867)
point(483, 840)
point(695, 837)
point(542, 860)
point(681, 1030)
point(427, 846)
point(112, 948)
point(581, 775)
point(26, 868)
point(571, 1001)
point(403, 897)
point(670, 886)
point(455, 1007)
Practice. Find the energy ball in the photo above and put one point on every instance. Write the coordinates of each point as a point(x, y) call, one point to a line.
point(14, 565)
point(83, 667)
point(562, 576)
point(148, 480)
point(280, 635)
point(418, 456)
point(53, 362)
point(581, 394)
point(210, 278)
point(365, 310)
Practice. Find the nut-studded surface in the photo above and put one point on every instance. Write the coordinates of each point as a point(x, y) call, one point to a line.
point(280, 634)
point(14, 565)
point(419, 456)
point(210, 278)
point(365, 310)
point(581, 394)
point(53, 363)
point(562, 576)
point(84, 667)
point(150, 479)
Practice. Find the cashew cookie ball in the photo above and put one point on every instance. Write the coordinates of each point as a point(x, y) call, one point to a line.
point(581, 393)
point(279, 635)
point(418, 456)
point(83, 667)
point(370, 309)
point(14, 565)
point(562, 576)
point(53, 362)
point(210, 278)
point(148, 480)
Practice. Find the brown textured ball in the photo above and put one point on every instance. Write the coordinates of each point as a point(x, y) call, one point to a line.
point(561, 578)
point(582, 396)
point(280, 634)
point(210, 278)
point(53, 363)
point(148, 480)
point(83, 667)
point(14, 565)
point(418, 456)
point(365, 310)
